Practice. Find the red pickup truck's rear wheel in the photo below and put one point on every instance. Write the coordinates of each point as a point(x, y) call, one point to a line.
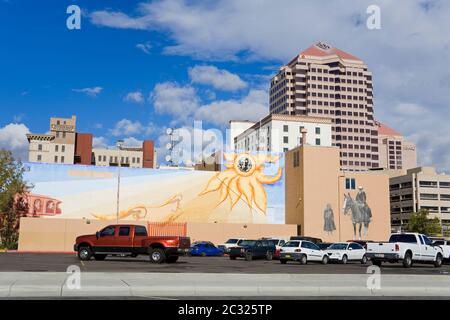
point(157, 255)
point(84, 253)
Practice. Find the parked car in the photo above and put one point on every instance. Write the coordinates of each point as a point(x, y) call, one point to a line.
point(302, 251)
point(323, 245)
point(344, 252)
point(406, 248)
point(229, 243)
point(205, 249)
point(445, 246)
point(250, 249)
point(361, 242)
point(131, 240)
point(278, 243)
point(310, 239)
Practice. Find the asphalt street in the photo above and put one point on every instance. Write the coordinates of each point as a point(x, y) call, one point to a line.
point(39, 262)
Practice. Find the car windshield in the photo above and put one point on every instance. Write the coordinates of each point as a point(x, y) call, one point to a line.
point(338, 246)
point(230, 241)
point(323, 245)
point(249, 243)
point(439, 243)
point(292, 244)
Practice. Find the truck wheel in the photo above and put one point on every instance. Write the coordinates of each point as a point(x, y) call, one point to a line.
point(172, 259)
point(364, 259)
point(248, 256)
point(157, 255)
point(325, 259)
point(344, 259)
point(407, 260)
point(99, 257)
point(377, 263)
point(84, 253)
point(438, 262)
point(269, 255)
point(303, 259)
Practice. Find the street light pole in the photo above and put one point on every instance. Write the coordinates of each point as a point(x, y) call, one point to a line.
point(119, 148)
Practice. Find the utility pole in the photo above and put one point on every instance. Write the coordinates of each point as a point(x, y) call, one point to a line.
point(119, 148)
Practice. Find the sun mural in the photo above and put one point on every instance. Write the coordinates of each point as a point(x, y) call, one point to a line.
point(242, 181)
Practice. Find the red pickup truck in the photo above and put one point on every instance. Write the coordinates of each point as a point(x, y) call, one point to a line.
point(133, 240)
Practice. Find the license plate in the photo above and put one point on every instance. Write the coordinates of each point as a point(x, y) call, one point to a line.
point(288, 256)
point(379, 255)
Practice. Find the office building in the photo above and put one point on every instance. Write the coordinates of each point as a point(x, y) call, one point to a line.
point(420, 188)
point(396, 153)
point(280, 133)
point(326, 82)
point(64, 145)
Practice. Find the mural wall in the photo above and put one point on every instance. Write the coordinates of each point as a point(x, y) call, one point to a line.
point(249, 189)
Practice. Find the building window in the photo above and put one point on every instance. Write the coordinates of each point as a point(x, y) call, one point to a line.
point(39, 157)
point(99, 158)
point(317, 142)
point(285, 128)
point(317, 130)
point(63, 148)
point(56, 148)
point(285, 139)
point(104, 158)
point(350, 183)
point(138, 160)
point(40, 147)
point(296, 159)
point(64, 134)
point(56, 159)
point(62, 159)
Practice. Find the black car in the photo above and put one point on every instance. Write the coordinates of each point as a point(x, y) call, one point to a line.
point(250, 249)
point(310, 239)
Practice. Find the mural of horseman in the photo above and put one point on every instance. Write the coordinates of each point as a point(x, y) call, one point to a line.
point(360, 212)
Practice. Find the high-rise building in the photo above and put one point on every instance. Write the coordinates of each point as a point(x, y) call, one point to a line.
point(326, 82)
point(396, 153)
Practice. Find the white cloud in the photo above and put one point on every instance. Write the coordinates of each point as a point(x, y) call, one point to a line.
point(135, 97)
point(13, 138)
point(92, 92)
point(132, 142)
point(126, 127)
point(145, 47)
point(217, 78)
point(174, 99)
point(99, 142)
point(252, 107)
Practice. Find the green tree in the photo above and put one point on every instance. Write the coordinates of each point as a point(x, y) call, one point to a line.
point(12, 203)
point(421, 223)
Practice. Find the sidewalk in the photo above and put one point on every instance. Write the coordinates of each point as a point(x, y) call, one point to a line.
point(30, 284)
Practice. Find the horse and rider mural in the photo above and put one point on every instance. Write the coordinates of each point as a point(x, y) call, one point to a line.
point(361, 213)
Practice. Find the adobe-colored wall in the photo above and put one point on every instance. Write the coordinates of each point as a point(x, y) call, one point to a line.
point(319, 181)
point(48, 234)
point(148, 154)
point(83, 147)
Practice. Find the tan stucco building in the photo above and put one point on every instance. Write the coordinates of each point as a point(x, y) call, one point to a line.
point(316, 189)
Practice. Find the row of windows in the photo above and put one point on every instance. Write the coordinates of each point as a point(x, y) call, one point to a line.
point(286, 129)
point(348, 73)
point(112, 159)
point(286, 140)
point(359, 164)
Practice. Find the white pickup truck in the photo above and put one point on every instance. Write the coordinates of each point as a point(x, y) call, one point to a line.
point(407, 248)
point(445, 246)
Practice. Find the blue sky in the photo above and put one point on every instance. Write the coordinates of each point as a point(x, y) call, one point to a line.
point(135, 65)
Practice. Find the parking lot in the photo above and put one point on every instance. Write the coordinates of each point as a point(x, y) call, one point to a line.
point(40, 262)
